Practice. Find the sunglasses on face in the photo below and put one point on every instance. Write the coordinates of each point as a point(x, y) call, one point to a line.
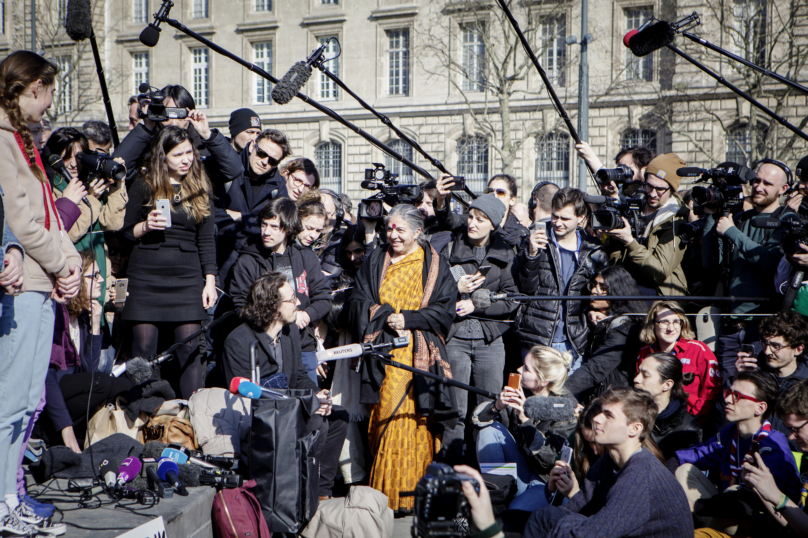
point(592, 286)
point(499, 192)
point(733, 396)
point(261, 154)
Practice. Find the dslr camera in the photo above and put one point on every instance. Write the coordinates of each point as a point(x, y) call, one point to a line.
point(100, 165)
point(620, 175)
point(610, 212)
point(439, 500)
point(157, 110)
point(390, 192)
point(796, 231)
point(726, 192)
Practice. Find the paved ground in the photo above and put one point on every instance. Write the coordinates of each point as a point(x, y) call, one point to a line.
point(402, 527)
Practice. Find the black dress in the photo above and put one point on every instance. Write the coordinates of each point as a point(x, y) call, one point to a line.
point(167, 268)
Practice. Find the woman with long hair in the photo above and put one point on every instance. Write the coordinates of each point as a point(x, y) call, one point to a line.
point(613, 339)
point(312, 221)
point(301, 177)
point(407, 290)
point(667, 329)
point(51, 266)
point(514, 430)
point(172, 269)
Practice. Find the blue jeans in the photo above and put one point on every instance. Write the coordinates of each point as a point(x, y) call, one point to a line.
point(576, 359)
point(26, 336)
point(495, 444)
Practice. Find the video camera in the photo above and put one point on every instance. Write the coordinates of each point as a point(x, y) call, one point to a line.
point(439, 500)
point(609, 215)
point(796, 231)
point(157, 110)
point(726, 192)
point(100, 165)
point(620, 175)
point(390, 192)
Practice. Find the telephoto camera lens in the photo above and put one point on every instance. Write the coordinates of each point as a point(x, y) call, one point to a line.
point(620, 175)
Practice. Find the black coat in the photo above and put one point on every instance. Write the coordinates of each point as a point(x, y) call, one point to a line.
point(167, 268)
point(611, 360)
point(537, 321)
point(675, 429)
point(512, 232)
point(310, 285)
point(432, 322)
point(498, 280)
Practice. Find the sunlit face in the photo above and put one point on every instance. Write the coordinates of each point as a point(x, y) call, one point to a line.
point(769, 184)
point(401, 238)
point(648, 378)
point(134, 117)
point(479, 226)
point(312, 229)
point(611, 425)
point(425, 207)
point(355, 252)
point(589, 436)
point(659, 191)
point(70, 158)
point(35, 100)
point(500, 188)
point(241, 140)
point(600, 289)
point(742, 408)
point(170, 103)
point(180, 158)
point(530, 378)
point(330, 210)
point(779, 354)
point(564, 221)
point(92, 274)
point(298, 183)
point(265, 155)
point(287, 313)
point(272, 235)
point(667, 327)
point(628, 160)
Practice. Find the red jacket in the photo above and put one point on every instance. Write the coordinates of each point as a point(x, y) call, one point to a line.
point(697, 358)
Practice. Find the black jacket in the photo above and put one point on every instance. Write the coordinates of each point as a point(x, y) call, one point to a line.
point(536, 324)
point(512, 232)
point(498, 280)
point(675, 429)
point(611, 360)
point(310, 285)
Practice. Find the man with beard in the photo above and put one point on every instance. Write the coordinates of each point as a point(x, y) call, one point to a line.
point(755, 254)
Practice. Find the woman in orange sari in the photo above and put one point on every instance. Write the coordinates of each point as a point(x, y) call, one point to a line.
point(405, 289)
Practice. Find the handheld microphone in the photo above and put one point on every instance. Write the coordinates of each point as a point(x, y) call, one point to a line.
point(79, 20)
point(108, 473)
point(483, 298)
point(167, 470)
point(294, 79)
point(157, 483)
point(129, 469)
point(179, 457)
point(644, 42)
point(151, 34)
point(369, 185)
point(58, 164)
point(248, 389)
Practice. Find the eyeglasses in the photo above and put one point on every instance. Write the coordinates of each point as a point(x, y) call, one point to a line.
point(297, 182)
point(776, 346)
point(264, 155)
point(796, 430)
point(94, 276)
point(734, 396)
point(592, 286)
point(292, 299)
point(647, 187)
point(499, 192)
point(668, 322)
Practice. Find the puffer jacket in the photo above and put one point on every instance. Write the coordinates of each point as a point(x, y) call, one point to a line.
point(537, 321)
point(675, 429)
point(498, 280)
point(220, 421)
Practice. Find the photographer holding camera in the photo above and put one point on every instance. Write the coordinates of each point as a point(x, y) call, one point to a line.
point(654, 258)
point(754, 254)
point(636, 159)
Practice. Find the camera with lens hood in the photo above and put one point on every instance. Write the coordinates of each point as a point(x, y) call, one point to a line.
point(610, 212)
point(439, 500)
point(157, 111)
point(620, 175)
point(390, 192)
point(726, 192)
point(100, 165)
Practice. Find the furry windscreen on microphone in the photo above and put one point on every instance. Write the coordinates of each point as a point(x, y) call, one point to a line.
point(139, 370)
point(189, 476)
point(153, 449)
point(481, 298)
point(79, 19)
point(550, 408)
point(291, 83)
point(653, 38)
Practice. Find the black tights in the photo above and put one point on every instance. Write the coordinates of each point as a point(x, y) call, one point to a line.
point(145, 338)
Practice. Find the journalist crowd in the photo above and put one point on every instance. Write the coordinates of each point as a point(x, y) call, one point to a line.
point(634, 396)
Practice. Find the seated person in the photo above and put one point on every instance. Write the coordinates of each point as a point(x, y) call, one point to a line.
point(628, 492)
point(586, 452)
point(660, 374)
point(513, 431)
point(792, 409)
point(749, 403)
point(270, 312)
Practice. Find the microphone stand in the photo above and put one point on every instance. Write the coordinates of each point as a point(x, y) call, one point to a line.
point(157, 358)
point(303, 97)
point(319, 64)
point(99, 69)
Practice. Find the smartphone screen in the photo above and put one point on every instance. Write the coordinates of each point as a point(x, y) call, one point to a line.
point(483, 269)
point(514, 381)
point(748, 348)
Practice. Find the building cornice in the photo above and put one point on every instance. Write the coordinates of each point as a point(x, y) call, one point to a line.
point(205, 31)
point(394, 12)
point(330, 17)
point(259, 27)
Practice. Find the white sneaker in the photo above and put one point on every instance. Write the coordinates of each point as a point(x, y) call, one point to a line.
point(11, 525)
point(41, 525)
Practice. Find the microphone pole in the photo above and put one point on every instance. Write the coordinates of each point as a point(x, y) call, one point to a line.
point(319, 64)
point(303, 97)
point(689, 298)
point(157, 358)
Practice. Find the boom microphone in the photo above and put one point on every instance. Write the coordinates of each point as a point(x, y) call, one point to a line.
point(595, 199)
point(79, 20)
point(294, 79)
point(483, 298)
point(151, 34)
point(549, 408)
point(768, 223)
point(646, 41)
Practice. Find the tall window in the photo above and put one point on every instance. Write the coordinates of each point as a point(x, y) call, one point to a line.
point(2, 17)
point(639, 137)
point(65, 86)
point(201, 77)
point(749, 30)
point(140, 69)
point(262, 57)
point(638, 68)
point(200, 9)
point(329, 90)
point(405, 150)
point(263, 5)
point(740, 144)
point(329, 2)
point(329, 163)
point(553, 158)
point(61, 7)
point(140, 11)
point(473, 57)
point(398, 58)
point(554, 47)
point(472, 161)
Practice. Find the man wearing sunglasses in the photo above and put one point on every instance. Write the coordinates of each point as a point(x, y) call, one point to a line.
point(654, 258)
point(749, 403)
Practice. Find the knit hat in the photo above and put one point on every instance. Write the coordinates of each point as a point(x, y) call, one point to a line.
point(491, 206)
point(243, 119)
point(802, 168)
point(665, 167)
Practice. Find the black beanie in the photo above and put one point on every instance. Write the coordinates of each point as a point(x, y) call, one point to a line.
point(243, 119)
point(802, 168)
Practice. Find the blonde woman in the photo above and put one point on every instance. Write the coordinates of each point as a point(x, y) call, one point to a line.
point(509, 434)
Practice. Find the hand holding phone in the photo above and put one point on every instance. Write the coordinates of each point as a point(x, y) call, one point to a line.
point(164, 207)
point(747, 358)
point(514, 381)
point(121, 286)
point(483, 270)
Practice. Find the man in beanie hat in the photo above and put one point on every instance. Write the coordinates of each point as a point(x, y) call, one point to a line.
point(654, 258)
point(245, 126)
point(559, 260)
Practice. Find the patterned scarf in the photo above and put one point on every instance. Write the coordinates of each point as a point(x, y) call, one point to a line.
point(734, 464)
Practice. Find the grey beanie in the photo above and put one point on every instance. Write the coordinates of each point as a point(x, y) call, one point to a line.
point(493, 207)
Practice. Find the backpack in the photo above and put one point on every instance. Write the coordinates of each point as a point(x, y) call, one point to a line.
point(237, 514)
point(170, 430)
